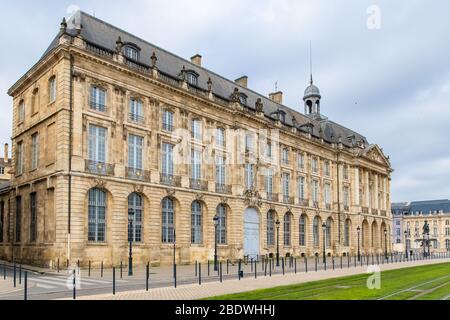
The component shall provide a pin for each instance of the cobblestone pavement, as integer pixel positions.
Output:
(196, 291)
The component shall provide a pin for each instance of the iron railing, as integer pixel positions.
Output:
(288, 200)
(303, 202)
(198, 184)
(100, 168)
(137, 174)
(97, 106)
(136, 118)
(223, 188)
(99, 50)
(170, 180)
(365, 210)
(346, 208)
(272, 197)
(375, 211)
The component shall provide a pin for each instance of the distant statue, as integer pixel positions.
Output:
(426, 228)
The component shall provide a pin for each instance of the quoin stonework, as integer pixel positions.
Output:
(115, 139)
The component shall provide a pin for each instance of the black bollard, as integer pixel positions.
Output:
(251, 265)
(78, 263)
(333, 262)
(316, 263)
(270, 269)
(255, 270)
(282, 264)
(325, 264)
(114, 281)
(306, 264)
(4, 271)
(20, 273)
(209, 267)
(67, 263)
(15, 272)
(147, 276)
(265, 267)
(341, 261)
(101, 271)
(239, 270)
(200, 274)
(220, 271)
(89, 268)
(196, 269)
(25, 288)
(58, 265)
(228, 266)
(295, 265)
(175, 276)
(121, 270)
(74, 286)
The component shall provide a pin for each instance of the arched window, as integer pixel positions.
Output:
(135, 218)
(97, 215)
(192, 78)
(132, 52)
(243, 99)
(196, 223)
(222, 224)
(347, 227)
(270, 228)
(168, 219)
(302, 231)
(329, 231)
(287, 229)
(316, 224)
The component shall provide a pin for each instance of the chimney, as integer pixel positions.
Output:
(6, 153)
(197, 60)
(242, 81)
(277, 97)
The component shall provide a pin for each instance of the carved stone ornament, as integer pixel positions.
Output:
(138, 188)
(199, 197)
(154, 59)
(170, 192)
(235, 96)
(259, 105)
(100, 184)
(252, 198)
(119, 45)
(209, 84)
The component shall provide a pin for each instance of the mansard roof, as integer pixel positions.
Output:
(103, 34)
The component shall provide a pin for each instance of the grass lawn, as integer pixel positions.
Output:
(430, 282)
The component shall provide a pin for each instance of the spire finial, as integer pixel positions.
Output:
(63, 25)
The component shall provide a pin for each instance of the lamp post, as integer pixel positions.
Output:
(359, 251)
(278, 242)
(428, 244)
(216, 224)
(385, 244)
(406, 244)
(130, 238)
(174, 250)
(324, 229)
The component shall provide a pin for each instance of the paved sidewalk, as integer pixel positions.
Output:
(193, 292)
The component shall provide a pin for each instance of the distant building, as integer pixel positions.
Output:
(408, 221)
(5, 167)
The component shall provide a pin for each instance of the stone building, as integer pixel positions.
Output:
(115, 139)
(409, 220)
(5, 166)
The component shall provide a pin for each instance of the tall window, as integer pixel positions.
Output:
(315, 191)
(302, 231)
(220, 170)
(347, 233)
(34, 151)
(270, 228)
(327, 194)
(196, 222)
(314, 165)
(316, 226)
(345, 172)
(35, 101)
(168, 219)
(167, 159)
(285, 156)
(2, 170)
(167, 121)
(196, 164)
(135, 213)
(249, 176)
(136, 110)
(269, 150)
(301, 188)
(52, 89)
(222, 225)
(97, 144)
(346, 196)
(19, 159)
(2, 219)
(33, 217)
(196, 132)
(327, 168)
(21, 111)
(268, 183)
(285, 182)
(249, 142)
(329, 224)
(220, 137)
(300, 161)
(135, 145)
(131, 53)
(97, 215)
(18, 218)
(287, 229)
(98, 99)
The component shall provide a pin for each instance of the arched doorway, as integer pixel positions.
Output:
(251, 233)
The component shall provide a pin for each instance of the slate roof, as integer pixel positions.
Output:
(423, 207)
(101, 33)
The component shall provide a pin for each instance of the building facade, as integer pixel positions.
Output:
(117, 140)
(5, 166)
(408, 225)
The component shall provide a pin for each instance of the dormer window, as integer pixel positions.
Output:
(192, 78)
(131, 52)
(282, 116)
(243, 99)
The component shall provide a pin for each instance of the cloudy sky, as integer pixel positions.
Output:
(387, 78)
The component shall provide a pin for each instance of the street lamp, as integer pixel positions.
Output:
(278, 242)
(130, 238)
(216, 224)
(385, 244)
(359, 252)
(324, 229)
(406, 244)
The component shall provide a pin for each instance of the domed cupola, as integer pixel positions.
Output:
(312, 99)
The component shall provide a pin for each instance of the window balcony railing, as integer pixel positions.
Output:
(383, 213)
(99, 50)
(365, 210)
(137, 174)
(167, 127)
(272, 197)
(346, 208)
(170, 180)
(288, 200)
(328, 206)
(100, 168)
(97, 106)
(135, 118)
(223, 188)
(375, 211)
(198, 184)
(316, 204)
(303, 202)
